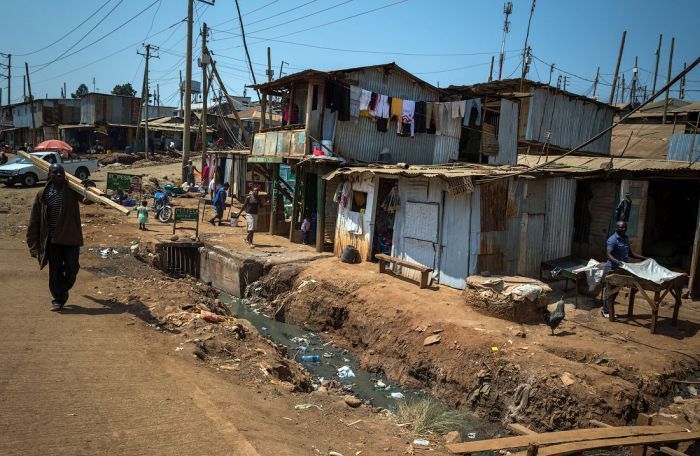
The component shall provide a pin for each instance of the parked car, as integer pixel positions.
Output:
(23, 171)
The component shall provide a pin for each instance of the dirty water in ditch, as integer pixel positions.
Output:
(324, 361)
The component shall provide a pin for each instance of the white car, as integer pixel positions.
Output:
(24, 172)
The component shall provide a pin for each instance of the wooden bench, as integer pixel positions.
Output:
(424, 272)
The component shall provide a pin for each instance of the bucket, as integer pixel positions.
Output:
(350, 255)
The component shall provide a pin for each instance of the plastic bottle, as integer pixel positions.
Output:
(310, 358)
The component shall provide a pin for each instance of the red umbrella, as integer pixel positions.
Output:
(53, 144)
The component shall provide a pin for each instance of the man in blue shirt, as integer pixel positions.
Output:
(220, 203)
(618, 252)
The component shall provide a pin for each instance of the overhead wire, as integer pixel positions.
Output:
(73, 29)
(251, 12)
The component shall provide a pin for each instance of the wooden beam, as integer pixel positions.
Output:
(94, 194)
(663, 450)
(549, 438)
(577, 447)
(520, 429)
(230, 101)
(597, 423)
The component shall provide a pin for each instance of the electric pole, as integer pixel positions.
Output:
(270, 73)
(205, 92)
(633, 88)
(31, 100)
(617, 68)
(526, 48)
(564, 83)
(491, 69)
(668, 80)
(181, 90)
(681, 89)
(9, 79)
(281, 65)
(146, 95)
(551, 70)
(24, 87)
(595, 83)
(656, 67)
(507, 10)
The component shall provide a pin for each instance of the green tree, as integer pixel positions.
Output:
(124, 90)
(82, 91)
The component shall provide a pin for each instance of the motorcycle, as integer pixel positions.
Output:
(162, 207)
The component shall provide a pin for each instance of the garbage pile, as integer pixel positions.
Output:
(512, 298)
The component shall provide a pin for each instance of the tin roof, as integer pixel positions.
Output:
(646, 141)
(311, 74)
(440, 171)
(572, 164)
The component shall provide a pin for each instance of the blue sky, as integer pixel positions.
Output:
(442, 41)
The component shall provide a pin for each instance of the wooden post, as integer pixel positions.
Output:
(269, 79)
(188, 92)
(696, 251)
(205, 95)
(491, 69)
(617, 68)
(595, 83)
(656, 67)
(263, 108)
(295, 201)
(230, 100)
(320, 213)
(642, 420)
(668, 80)
(630, 308)
(655, 311)
(274, 196)
(290, 108)
(145, 95)
(307, 121)
(32, 108)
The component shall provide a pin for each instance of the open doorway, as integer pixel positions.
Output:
(669, 231)
(387, 204)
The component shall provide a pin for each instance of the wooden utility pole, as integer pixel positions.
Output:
(681, 88)
(551, 71)
(617, 67)
(564, 82)
(622, 89)
(31, 100)
(188, 93)
(595, 83)
(9, 79)
(24, 87)
(205, 92)
(269, 79)
(65, 91)
(493, 58)
(181, 92)
(146, 94)
(656, 67)
(526, 48)
(668, 79)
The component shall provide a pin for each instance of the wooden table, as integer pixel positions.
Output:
(617, 282)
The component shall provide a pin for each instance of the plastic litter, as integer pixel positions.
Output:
(421, 442)
(306, 406)
(310, 358)
(345, 372)
(471, 435)
(397, 395)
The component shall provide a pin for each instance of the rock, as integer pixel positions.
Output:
(174, 237)
(432, 340)
(352, 401)
(567, 379)
(452, 437)
(678, 399)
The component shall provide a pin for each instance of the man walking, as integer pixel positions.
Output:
(191, 169)
(251, 206)
(618, 252)
(54, 235)
(220, 203)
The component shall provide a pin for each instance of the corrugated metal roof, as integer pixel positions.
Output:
(582, 165)
(443, 172)
(647, 141)
(692, 107)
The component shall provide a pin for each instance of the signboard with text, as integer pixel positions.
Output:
(187, 214)
(125, 182)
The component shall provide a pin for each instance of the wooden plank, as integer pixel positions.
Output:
(663, 450)
(575, 447)
(600, 424)
(549, 438)
(520, 429)
(408, 264)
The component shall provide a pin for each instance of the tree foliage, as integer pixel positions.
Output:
(124, 90)
(82, 91)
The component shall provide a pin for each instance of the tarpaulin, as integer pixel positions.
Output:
(650, 270)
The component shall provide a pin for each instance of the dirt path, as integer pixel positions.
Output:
(89, 383)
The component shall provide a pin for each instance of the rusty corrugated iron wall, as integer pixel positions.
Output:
(559, 218)
(571, 121)
(680, 146)
(507, 135)
(362, 142)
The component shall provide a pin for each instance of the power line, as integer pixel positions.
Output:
(73, 29)
(459, 68)
(569, 73)
(294, 8)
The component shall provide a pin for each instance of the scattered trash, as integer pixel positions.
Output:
(71, 414)
(380, 384)
(601, 360)
(471, 435)
(352, 401)
(334, 453)
(306, 406)
(453, 437)
(211, 317)
(177, 349)
(692, 390)
(305, 283)
(397, 395)
(345, 372)
(494, 348)
(421, 442)
(310, 358)
(431, 340)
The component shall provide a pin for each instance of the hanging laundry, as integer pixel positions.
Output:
(472, 112)
(396, 109)
(438, 109)
(364, 100)
(381, 109)
(407, 118)
(294, 115)
(355, 94)
(372, 103)
(419, 118)
(338, 99)
(430, 117)
(458, 108)
(382, 124)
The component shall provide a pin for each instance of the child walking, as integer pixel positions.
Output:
(142, 212)
(306, 230)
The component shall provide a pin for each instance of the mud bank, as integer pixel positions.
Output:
(517, 375)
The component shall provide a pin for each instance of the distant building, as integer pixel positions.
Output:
(49, 114)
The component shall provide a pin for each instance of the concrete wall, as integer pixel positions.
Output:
(227, 270)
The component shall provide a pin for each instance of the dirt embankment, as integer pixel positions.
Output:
(521, 375)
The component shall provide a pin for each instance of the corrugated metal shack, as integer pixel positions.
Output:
(48, 115)
(311, 122)
(665, 195)
(515, 116)
(458, 220)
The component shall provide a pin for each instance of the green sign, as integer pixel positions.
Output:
(264, 159)
(183, 214)
(126, 182)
